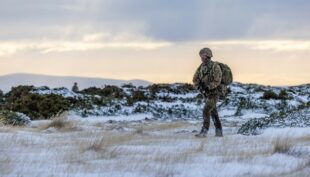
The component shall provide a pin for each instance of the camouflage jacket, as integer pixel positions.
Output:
(208, 77)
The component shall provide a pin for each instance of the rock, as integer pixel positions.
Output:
(111, 121)
(182, 131)
(195, 131)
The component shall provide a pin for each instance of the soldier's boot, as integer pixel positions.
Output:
(218, 132)
(217, 123)
(203, 133)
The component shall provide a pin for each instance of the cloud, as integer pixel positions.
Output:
(87, 42)
(161, 20)
(98, 41)
(272, 45)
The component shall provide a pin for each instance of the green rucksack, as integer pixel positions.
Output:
(227, 76)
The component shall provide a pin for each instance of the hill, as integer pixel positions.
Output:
(7, 81)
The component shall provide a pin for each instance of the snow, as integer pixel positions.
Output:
(63, 92)
(188, 95)
(237, 89)
(251, 114)
(126, 147)
(287, 132)
(125, 143)
(227, 112)
(94, 119)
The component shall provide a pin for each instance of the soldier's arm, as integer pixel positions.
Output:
(217, 77)
(196, 77)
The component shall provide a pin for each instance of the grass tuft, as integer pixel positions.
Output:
(61, 123)
(281, 145)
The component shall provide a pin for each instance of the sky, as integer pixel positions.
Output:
(265, 42)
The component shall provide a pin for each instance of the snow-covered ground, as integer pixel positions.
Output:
(95, 146)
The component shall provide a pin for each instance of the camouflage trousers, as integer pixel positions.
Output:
(209, 110)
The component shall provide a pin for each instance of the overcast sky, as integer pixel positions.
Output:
(264, 41)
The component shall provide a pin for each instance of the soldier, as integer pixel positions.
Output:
(207, 79)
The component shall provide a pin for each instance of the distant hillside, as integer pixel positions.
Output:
(7, 81)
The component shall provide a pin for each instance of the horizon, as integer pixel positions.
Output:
(116, 79)
(265, 42)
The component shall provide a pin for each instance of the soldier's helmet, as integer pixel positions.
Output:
(207, 51)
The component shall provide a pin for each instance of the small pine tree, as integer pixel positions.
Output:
(75, 87)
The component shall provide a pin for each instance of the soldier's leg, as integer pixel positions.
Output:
(206, 115)
(217, 123)
(216, 119)
(209, 106)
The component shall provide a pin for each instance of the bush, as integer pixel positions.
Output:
(36, 106)
(184, 88)
(107, 91)
(283, 95)
(13, 118)
(130, 85)
(269, 95)
(138, 95)
(167, 98)
(156, 88)
(61, 122)
(2, 99)
(140, 108)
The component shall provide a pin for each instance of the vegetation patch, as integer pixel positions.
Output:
(61, 123)
(269, 94)
(34, 105)
(107, 91)
(13, 118)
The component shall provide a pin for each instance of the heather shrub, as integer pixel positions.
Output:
(107, 91)
(283, 95)
(13, 118)
(156, 88)
(136, 96)
(34, 105)
(269, 95)
(184, 88)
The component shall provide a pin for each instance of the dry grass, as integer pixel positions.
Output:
(96, 145)
(5, 162)
(302, 170)
(99, 124)
(105, 147)
(2, 120)
(281, 145)
(164, 126)
(304, 139)
(148, 153)
(139, 130)
(8, 128)
(169, 158)
(60, 123)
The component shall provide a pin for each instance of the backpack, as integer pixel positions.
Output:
(227, 76)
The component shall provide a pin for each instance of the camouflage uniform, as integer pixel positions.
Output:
(208, 79)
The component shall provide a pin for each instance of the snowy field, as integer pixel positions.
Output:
(71, 146)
